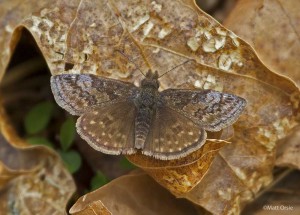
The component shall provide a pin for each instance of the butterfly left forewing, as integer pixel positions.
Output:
(173, 135)
(211, 110)
(109, 129)
(78, 93)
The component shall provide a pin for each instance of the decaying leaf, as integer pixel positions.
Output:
(288, 150)
(33, 180)
(181, 175)
(272, 28)
(115, 38)
(282, 198)
(132, 194)
(280, 38)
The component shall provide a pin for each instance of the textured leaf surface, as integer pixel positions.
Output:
(281, 38)
(133, 194)
(83, 36)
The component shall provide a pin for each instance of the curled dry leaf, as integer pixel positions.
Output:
(272, 28)
(33, 180)
(82, 37)
(281, 38)
(181, 175)
(132, 194)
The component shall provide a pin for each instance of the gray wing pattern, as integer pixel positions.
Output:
(78, 93)
(209, 109)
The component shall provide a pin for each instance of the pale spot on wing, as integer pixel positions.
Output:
(156, 140)
(103, 134)
(84, 127)
(191, 133)
(176, 142)
(170, 150)
(96, 112)
(92, 122)
(92, 134)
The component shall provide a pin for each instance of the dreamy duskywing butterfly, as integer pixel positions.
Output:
(117, 117)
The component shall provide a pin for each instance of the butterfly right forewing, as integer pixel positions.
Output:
(211, 110)
(78, 93)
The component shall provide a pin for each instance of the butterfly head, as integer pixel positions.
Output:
(151, 80)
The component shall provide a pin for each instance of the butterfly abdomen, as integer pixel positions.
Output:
(142, 126)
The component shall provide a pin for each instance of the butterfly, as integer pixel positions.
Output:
(116, 117)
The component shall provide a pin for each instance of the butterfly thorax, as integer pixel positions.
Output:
(146, 103)
(148, 96)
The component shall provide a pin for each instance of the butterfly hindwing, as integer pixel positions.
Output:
(78, 93)
(109, 129)
(173, 135)
(209, 109)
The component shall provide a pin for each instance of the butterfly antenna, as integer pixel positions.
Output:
(177, 66)
(131, 61)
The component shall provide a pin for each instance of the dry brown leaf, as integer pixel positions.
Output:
(82, 37)
(273, 27)
(288, 152)
(283, 198)
(132, 194)
(181, 175)
(33, 180)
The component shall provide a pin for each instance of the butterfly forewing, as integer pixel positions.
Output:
(78, 93)
(173, 135)
(209, 109)
(109, 129)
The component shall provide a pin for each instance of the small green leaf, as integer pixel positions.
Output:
(38, 117)
(72, 160)
(67, 134)
(126, 164)
(98, 180)
(40, 141)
